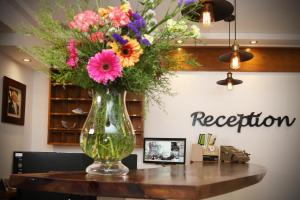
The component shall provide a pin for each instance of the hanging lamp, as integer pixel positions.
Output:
(236, 56)
(229, 81)
(207, 11)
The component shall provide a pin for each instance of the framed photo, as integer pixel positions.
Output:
(13, 101)
(164, 150)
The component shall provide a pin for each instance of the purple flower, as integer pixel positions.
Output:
(119, 39)
(137, 16)
(186, 2)
(140, 23)
(137, 24)
(134, 29)
(146, 42)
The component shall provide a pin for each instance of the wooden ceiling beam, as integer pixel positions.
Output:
(266, 59)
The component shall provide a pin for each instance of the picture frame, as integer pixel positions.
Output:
(164, 150)
(13, 101)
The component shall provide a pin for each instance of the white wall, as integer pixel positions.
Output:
(33, 135)
(40, 97)
(275, 148)
(14, 137)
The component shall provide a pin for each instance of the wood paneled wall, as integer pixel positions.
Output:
(266, 59)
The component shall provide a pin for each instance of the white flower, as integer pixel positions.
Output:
(149, 3)
(195, 32)
(149, 38)
(152, 22)
(113, 30)
(177, 27)
(171, 23)
(182, 26)
(150, 13)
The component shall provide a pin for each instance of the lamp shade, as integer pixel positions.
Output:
(244, 56)
(229, 79)
(220, 8)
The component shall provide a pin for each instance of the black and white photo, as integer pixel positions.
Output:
(164, 150)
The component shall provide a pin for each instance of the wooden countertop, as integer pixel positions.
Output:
(195, 181)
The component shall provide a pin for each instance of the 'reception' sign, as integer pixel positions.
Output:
(240, 120)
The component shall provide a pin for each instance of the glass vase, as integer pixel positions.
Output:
(107, 135)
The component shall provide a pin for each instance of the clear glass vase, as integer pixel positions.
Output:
(107, 135)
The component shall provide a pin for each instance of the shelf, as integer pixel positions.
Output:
(138, 132)
(68, 114)
(134, 100)
(135, 115)
(60, 84)
(66, 97)
(63, 144)
(70, 99)
(64, 129)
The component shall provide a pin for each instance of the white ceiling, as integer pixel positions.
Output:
(271, 22)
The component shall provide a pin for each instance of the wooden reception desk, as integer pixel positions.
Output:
(195, 181)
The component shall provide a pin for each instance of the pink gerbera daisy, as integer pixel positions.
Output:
(104, 67)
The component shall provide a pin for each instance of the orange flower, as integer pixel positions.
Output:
(129, 53)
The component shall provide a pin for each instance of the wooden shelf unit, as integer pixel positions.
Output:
(64, 98)
(135, 108)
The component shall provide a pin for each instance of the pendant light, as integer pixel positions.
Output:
(207, 11)
(229, 81)
(236, 56)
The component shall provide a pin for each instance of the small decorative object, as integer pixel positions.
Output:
(64, 124)
(203, 153)
(206, 139)
(233, 155)
(210, 153)
(78, 111)
(110, 51)
(201, 139)
(13, 101)
(205, 150)
(197, 153)
(212, 140)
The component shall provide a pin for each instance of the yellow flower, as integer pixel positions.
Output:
(125, 7)
(129, 53)
(103, 12)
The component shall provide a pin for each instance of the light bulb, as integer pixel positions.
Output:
(235, 62)
(229, 85)
(206, 18)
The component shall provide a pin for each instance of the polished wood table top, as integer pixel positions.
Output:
(195, 181)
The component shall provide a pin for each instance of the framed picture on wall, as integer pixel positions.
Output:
(13, 101)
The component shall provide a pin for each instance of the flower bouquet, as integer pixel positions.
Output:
(111, 50)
